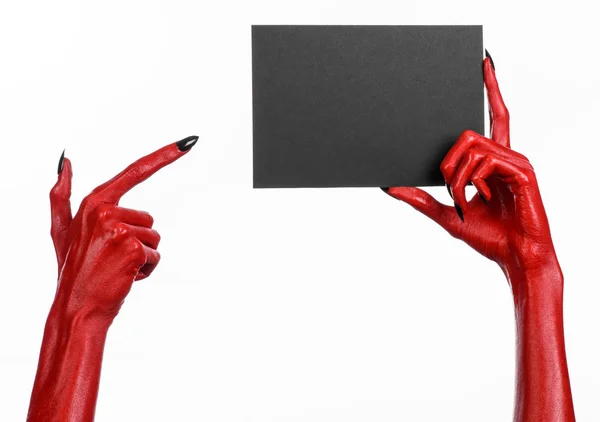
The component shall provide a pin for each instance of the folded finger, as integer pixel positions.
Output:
(152, 260)
(462, 177)
(514, 175)
(472, 140)
(133, 217)
(147, 236)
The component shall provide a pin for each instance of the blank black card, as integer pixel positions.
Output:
(352, 106)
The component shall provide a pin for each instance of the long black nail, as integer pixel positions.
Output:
(483, 199)
(459, 211)
(60, 162)
(187, 143)
(489, 56)
(449, 191)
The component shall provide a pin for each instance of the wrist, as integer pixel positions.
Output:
(75, 306)
(76, 321)
(535, 282)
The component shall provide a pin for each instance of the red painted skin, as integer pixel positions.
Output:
(100, 252)
(510, 227)
(106, 247)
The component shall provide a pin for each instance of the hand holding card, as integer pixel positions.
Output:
(506, 222)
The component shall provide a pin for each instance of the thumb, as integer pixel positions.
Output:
(60, 208)
(426, 204)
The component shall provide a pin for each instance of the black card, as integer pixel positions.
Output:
(359, 106)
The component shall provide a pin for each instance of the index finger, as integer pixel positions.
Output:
(142, 169)
(499, 116)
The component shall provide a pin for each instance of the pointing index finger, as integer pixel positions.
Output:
(142, 169)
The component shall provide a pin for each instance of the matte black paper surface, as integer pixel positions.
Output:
(339, 106)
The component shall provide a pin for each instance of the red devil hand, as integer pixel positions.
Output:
(105, 247)
(100, 252)
(507, 223)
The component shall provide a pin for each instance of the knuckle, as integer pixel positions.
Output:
(88, 203)
(104, 212)
(489, 160)
(55, 193)
(467, 136)
(527, 176)
(135, 248)
(445, 168)
(501, 114)
(134, 245)
(59, 193)
(119, 231)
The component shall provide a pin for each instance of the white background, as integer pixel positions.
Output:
(283, 305)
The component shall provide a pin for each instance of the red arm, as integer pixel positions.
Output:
(543, 392)
(507, 223)
(100, 252)
(68, 377)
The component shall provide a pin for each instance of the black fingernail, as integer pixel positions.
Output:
(489, 56)
(187, 143)
(459, 211)
(449, 191)
(385, 189)
(483, 199)
(60, 162)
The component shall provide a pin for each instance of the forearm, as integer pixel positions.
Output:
(68, 375)
(543, 391)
